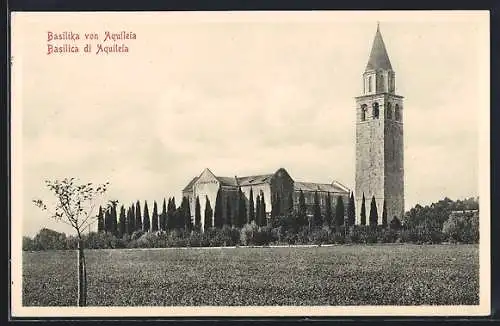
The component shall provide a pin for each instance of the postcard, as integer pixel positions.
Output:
(250, 163)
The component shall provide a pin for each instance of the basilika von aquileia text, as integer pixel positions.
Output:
(103, 43)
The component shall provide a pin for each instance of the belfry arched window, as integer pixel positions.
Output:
(375, 110)
(388, 111)
(397, 113)
(370, 84)
(363, 112)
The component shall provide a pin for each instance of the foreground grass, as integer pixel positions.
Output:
(338, 275)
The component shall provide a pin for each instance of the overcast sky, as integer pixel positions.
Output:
(241, 94)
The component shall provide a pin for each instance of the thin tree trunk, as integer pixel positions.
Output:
(82, 276)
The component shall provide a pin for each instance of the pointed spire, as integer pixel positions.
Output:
(378, 56)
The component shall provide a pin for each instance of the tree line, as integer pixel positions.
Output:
(134, 218)
(417, 227)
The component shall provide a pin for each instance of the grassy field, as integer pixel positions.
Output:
(338, 275)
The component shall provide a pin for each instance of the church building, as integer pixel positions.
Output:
(271, 187)
(379, 158)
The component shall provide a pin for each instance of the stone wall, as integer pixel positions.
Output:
(379, 157)
(394, 169)
(369, 154)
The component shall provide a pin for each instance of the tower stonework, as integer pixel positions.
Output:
(379, 138)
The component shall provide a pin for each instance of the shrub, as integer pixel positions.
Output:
(355, 235)
(28, 244)
(290, 237)
(148, 240)
(251, 234)
(264, 236)
(195, 239)
(278, 233)
(215, 237)
(72, 242)
(463, 228)
(387, 236)
(408, 235)
(320, 236)
(132, 244)
(230, 235)
(176, 238)
(247, 233)
(303, 236)
(339, 238)
(395, 224)
(48, 239)
(136, 235)
(99, 240)
(371, 234)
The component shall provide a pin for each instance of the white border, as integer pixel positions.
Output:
(17, 310)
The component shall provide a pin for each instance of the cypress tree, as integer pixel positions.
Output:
(208, 221)
(107, 221)
(163, 216)
(290, 204)
(251, 208)
(100, 220)
(114, 219)
(170, 223)
(146, 223)
(174, 223)
(219, 210)
(138, 217)
(122, 222)
(263, 218)
(179, 217)
(384, 215)
(258, 211)
(329, 213)
(242, 210)
(154, 218)
(363, 211)
(127, 221)
(373, 212)
(197, 214)
(188, 223)
(339, 213)
(317, 218)
(276, 205)
(302, 211)
(351, 211)
(229, 212)
(131, 220)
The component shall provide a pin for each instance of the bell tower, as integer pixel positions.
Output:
(379, 137)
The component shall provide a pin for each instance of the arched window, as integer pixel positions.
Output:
(388, 111)
(375, 110)
(363, 112)
(370, 84)
(397, 113)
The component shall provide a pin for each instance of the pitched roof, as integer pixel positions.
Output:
(255, 179)
(189, 186)
(379, 59)
(311, 186)
(227, 181)
(266, 178)
(236, 181)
